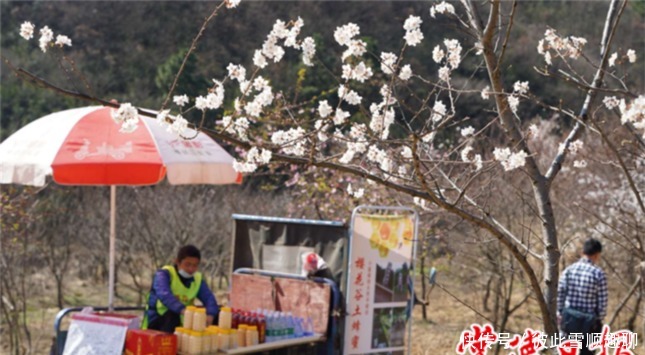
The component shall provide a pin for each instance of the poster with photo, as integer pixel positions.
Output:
(379, 283)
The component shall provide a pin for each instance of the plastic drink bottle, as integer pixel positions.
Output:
(225, 318)
(188, 317)
(270, 329)
(235, 320)
(262, 328)
(309, 327)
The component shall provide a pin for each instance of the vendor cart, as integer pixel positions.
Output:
(364, 304)
(265, 254)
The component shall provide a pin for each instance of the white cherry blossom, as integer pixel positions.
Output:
(406, 72)
(441, 8)
(46, 36)
(388, 61)
(631, 55)
(344, 34)
(62, 40)
(510, 161)
(521, 87)
(259, 60)
(412, 38)
(308, 51)
(180, 100)
(27, 30)
(485, 94)
(612, 59)
(580, 164)
(324, 109)
(468, 131)
(230, 4)
(340, 116)
(438, 54)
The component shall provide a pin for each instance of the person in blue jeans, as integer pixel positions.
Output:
(174, 287)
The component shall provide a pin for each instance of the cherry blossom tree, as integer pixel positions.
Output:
(389, 125)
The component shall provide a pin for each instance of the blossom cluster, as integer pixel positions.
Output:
(176, 124)
(634, 113)
(485, 94)
(355, 193)
(272, 49)
(358, 143)
(388, 62)
(389, 66)
(574, 148)
(360, 72)
(254, 158)
(127, 116)
(630, 55)
(213, 100)
(263, 98)
(382, 113)
(344, 35)
(46, 36)
(238, 127)
(510, 160)
(452, 57)
(441, 8)
(468, 156)
(230, 4)
(519, 88)
(290, 141)
(438, 111)
(570, 47)
(412, 27)
(379, 156)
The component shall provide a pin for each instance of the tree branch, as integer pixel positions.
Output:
(193, 46)
(508, 34)
(611, 25)
(623, 302)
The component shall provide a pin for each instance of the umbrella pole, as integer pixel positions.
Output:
(112, 247)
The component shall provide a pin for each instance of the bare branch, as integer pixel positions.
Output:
(193, 46)
(623, 302)
(507, 36)
(611, 24)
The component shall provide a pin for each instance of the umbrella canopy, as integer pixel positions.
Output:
(84, 146)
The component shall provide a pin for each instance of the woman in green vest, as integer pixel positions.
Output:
(175, 287)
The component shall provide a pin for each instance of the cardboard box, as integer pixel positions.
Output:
(150, 342)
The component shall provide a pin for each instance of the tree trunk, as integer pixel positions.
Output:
(59, 290)
(551, 253)
(643, 289)
(422, 261)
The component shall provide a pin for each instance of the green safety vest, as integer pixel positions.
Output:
(185, 295)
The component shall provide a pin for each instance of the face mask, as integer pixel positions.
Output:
(184, 274)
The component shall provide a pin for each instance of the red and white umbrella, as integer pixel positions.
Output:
(83, 146)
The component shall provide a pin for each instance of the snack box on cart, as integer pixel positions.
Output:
(149, 342)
